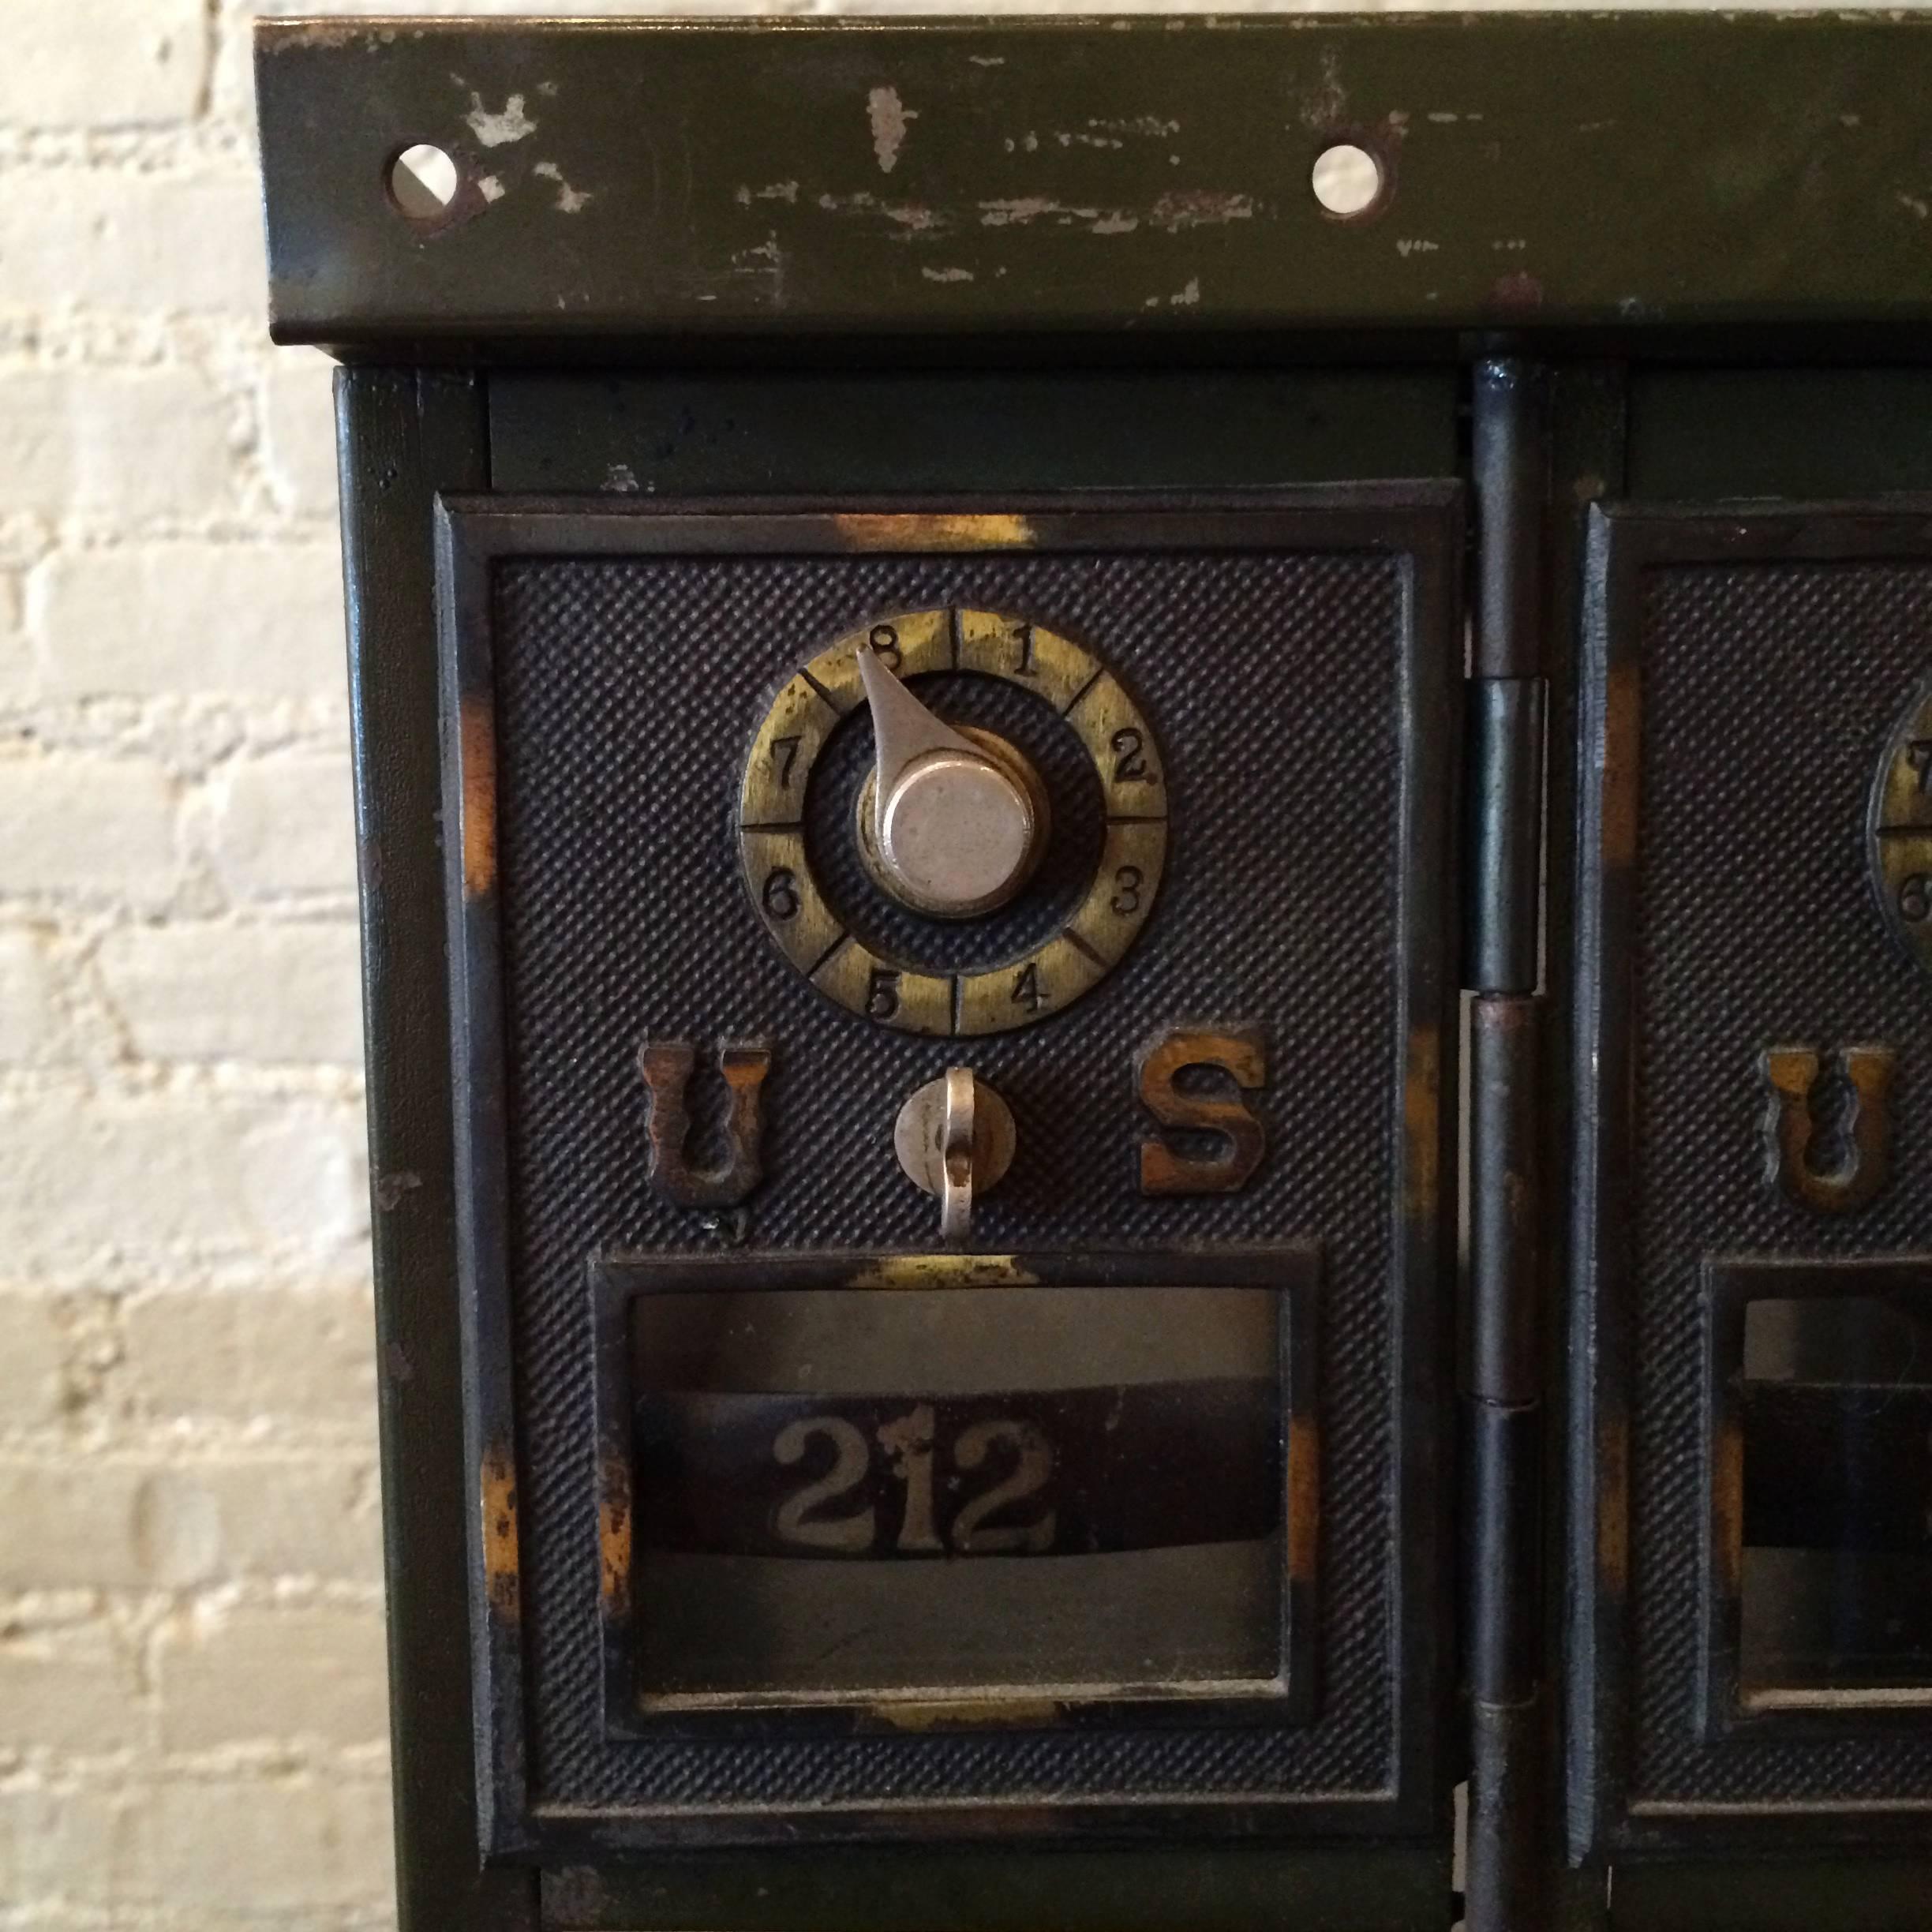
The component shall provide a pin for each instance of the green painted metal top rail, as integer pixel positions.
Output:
(626, 181)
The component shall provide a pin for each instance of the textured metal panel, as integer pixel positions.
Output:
(1753, 669)
(625, 689)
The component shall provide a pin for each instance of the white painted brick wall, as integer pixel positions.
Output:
(191, 1708)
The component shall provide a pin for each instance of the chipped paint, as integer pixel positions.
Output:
(501, 1578)
(1918, 206)
(1519, 290)
(891, 121)
(1613, 1505)
(1444, 116)
(621, 479)
(947, 274)
(494, 130)
(280, 36)
(772, 191)
(570, 200)
(1727, 1485)
(1618, 785)
(1323, 105)
(1189, 296)
(908, 217)
(1407, 246)
(945, 1271)
(987, 60)
(946, 1713)
(1304, 1498)
(1172, 213)
(490, 188)
(1151, 125)
(892, 531)
(393, 1188)
(1019, 210)
(478, 732)
(766, 260)
(1199, 207)
(614, 1518)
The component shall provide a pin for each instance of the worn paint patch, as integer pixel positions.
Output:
(1200, 207)
(478, 732)
(772, 191)
(1613, 1507)
(501, 1576)
(947, 1713)
(943, 1271)
(1304, 1498)
(1728, 1506)
(278, 37)
(767, 262)
(570, 200)
(393, 1186)
(614, 1534)
(509, 123)
(890, 119)
(1619, 753)
(908, 218)
(1324, 106)
(1519, 290)
(1151, 125)
(490, 188)
(891, 532)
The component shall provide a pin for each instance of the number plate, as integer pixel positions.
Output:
(847, 1495)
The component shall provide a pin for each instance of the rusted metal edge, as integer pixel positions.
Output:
(623, 181)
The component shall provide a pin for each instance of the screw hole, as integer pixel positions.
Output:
(423, 181)
(1346, 180)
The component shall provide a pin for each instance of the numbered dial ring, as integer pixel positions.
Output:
(927, 996)
(1901, 830)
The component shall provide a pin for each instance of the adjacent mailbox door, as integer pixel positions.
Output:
(1751, 1660)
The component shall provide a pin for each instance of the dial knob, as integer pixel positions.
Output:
(952, 822)
(955, 1139)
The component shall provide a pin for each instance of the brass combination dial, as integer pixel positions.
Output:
(1900, 831)
(952, 822)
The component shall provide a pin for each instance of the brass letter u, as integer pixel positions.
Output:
(667, 1066)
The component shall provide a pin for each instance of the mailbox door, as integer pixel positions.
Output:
(1748, 1266)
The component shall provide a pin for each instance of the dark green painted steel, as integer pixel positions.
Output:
(1843, 1895)
(407, 435)
(957, 1889)
(628, 180)
(1807, 434)
(1747, 187)
(927, 433)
